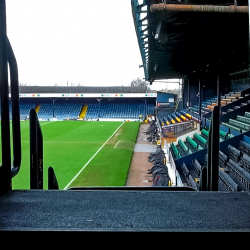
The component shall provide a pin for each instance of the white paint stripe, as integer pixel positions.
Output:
(92, 157)
(45, 123)
(116, 144)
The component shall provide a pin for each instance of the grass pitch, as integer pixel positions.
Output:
(69, 147)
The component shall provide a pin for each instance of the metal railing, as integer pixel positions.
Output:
(175, 130)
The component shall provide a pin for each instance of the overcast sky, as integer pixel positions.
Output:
(88, 42)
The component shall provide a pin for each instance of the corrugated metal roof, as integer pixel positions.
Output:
(189, 41)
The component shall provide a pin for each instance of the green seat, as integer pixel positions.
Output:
(175, 150)
(243, 119)
(231, 127)
(247, 114)
(192, 142)
(201, 139)
(183, 146)
(241, 125)
(205, 132)
(223, 134)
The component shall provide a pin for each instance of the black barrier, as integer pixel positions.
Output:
(16, 134)
(5, 169)
(36, 152)
(52, 181)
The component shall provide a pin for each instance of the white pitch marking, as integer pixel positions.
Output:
(116, 144)
(92, 157)
(45, 123)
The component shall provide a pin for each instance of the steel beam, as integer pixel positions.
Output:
(198, 8)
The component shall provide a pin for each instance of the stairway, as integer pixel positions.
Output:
(37, 108)
(83, 111)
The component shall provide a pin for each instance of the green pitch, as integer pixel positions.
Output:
(76, 151)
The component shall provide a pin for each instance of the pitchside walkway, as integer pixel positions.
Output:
(139, 166)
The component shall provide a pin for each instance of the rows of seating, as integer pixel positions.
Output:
(208, 105)
(234, 169)
(237, 162)
(188, 177)
(188, 147)
(241, 124)
(120, 111)
(67, 111)
(24, 109)
(71, 110)
(177, 117)
(45, 111)
(198, 142)
(192, 175)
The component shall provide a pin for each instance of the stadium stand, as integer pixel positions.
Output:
(241, 124)
(234, 163)
(46, 111)
(67, 110)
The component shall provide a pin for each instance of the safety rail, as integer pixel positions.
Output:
(177, 129)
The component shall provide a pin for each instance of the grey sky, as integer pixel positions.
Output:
(84, 42)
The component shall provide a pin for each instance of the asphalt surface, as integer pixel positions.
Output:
(125, 210)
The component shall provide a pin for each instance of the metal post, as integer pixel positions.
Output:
(182, 89)
(203, 180)
(218, 94)
(215, 147)
(249, 29)
(53, 107)
(189, 92)
(209, 156)
(33, 151)
(200, 97)
(5, 169)
(36, 152)
(16, 133)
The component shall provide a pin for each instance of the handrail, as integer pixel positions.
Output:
(5, 169)
(16, 134)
